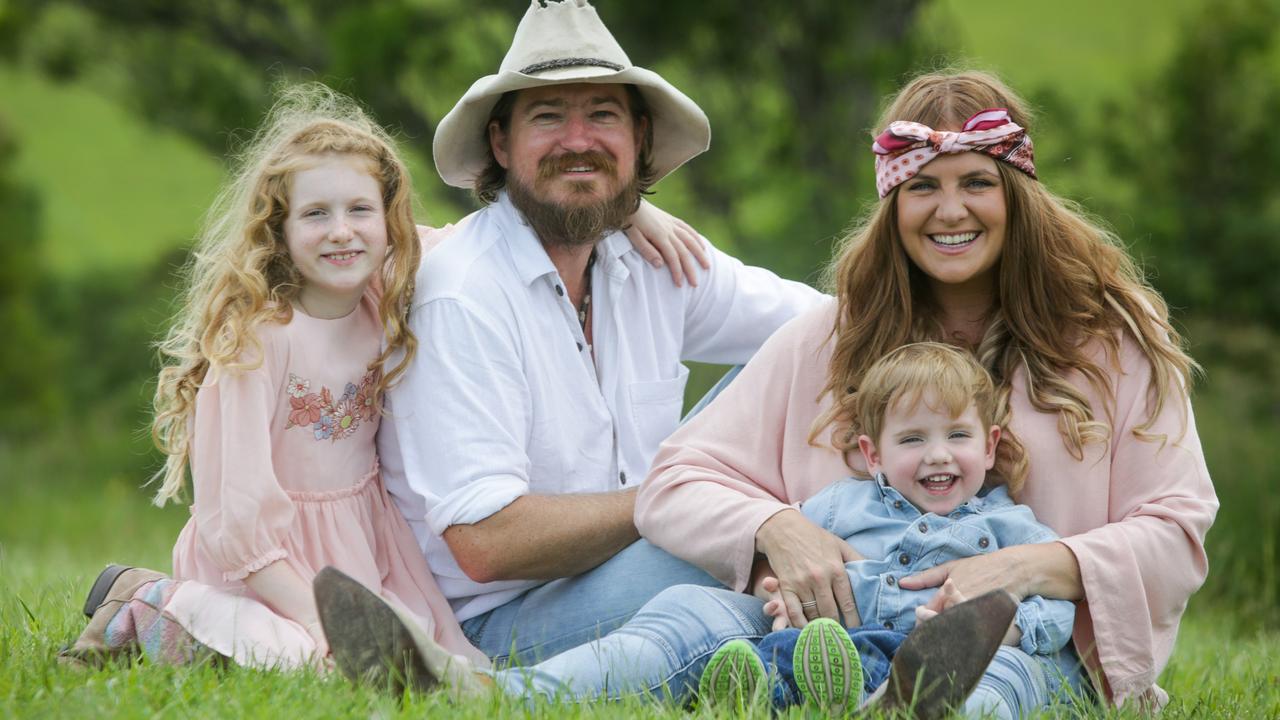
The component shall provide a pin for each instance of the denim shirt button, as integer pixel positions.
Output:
(905, 559)
(888, 580)
(983, 542)
(924, 527)
(897, 504)
(888, 625)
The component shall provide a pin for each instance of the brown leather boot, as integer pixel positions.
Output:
(942, 660)
(114, 587)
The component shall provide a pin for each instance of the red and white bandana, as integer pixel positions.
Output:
(904, 147)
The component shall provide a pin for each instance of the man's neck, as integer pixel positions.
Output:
(571, 262)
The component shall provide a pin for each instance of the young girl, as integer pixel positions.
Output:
(298, 295)
(933, 433)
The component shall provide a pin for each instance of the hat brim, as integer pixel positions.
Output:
(681, 130)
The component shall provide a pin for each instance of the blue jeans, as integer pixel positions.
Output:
(568, 612)
(659, 653)
(1014, 685)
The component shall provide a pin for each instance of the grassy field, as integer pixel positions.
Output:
(118, 193)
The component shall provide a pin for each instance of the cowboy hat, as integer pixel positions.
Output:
(562, 43)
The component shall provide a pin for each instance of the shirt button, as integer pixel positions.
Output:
(888, 580)
(983, 542)
(622, 476)
(897, 504)
(924, 527)
(888, 625)
(905, 559)
(579, 347)
(560, 291)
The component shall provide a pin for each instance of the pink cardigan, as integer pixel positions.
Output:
(1134, 512)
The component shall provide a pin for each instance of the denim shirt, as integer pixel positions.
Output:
(898, 541)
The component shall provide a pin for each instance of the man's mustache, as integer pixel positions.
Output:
(550, 167)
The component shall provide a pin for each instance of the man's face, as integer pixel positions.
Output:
(570, 145)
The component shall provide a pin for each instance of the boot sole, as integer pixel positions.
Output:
(942, 660)
(369, 641)
(102, 587)
(827, 667)
(732, 678)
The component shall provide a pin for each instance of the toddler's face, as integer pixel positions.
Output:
(934, 460)
(336, 232)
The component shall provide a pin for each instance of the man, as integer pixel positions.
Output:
(548, 363)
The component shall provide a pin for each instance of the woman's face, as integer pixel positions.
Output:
(952, 217)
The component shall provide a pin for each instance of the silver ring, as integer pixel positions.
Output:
(809, 605)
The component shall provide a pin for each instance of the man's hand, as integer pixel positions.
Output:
(809, 564)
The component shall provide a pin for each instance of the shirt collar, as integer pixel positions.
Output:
(531, 259)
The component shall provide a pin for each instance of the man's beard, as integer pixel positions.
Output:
(572, 225)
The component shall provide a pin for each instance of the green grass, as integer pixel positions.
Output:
(59, 524)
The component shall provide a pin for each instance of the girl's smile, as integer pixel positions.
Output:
(336, 232)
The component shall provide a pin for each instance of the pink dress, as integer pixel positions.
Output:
(284, 468)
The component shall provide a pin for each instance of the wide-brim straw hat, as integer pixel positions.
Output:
(562, 43)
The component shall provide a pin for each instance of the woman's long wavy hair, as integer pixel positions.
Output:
(951, 380)
(1064, 283)
(240, 274)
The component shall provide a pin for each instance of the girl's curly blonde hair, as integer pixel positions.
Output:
(240, 274)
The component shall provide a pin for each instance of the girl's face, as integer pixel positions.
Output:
(952, 218)
(933, 460)
(336, 232)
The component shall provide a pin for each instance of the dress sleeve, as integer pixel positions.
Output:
(720, 475)
(242, 515)
(1140, 568)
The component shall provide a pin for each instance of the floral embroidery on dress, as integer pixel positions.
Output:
(329, 419)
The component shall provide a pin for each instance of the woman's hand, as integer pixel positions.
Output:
(663, 239)
(1048, 569)
(809, 565)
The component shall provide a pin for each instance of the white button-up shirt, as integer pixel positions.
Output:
(503, 397)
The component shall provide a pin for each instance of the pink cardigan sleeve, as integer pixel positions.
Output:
(1141, 567)
(241, 514)
(744, 458)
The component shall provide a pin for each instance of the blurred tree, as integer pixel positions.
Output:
(1199, 145)
(29, 354)
(790, 87)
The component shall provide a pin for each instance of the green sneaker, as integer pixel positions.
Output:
(827, 667)
(733, 678)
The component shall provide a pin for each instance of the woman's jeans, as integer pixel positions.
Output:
(662, 651)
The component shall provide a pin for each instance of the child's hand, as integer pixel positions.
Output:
(947, 596)
(663, 239)
(776, 606)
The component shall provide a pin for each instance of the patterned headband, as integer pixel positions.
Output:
(906, 146)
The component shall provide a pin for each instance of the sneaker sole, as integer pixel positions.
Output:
(733, 677)
(827, 667)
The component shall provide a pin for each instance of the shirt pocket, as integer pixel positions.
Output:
(655, 408)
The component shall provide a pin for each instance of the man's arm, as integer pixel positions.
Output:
(544, 537)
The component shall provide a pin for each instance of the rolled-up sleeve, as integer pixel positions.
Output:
(462, 415)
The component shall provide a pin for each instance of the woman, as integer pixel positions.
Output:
(967, 247)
